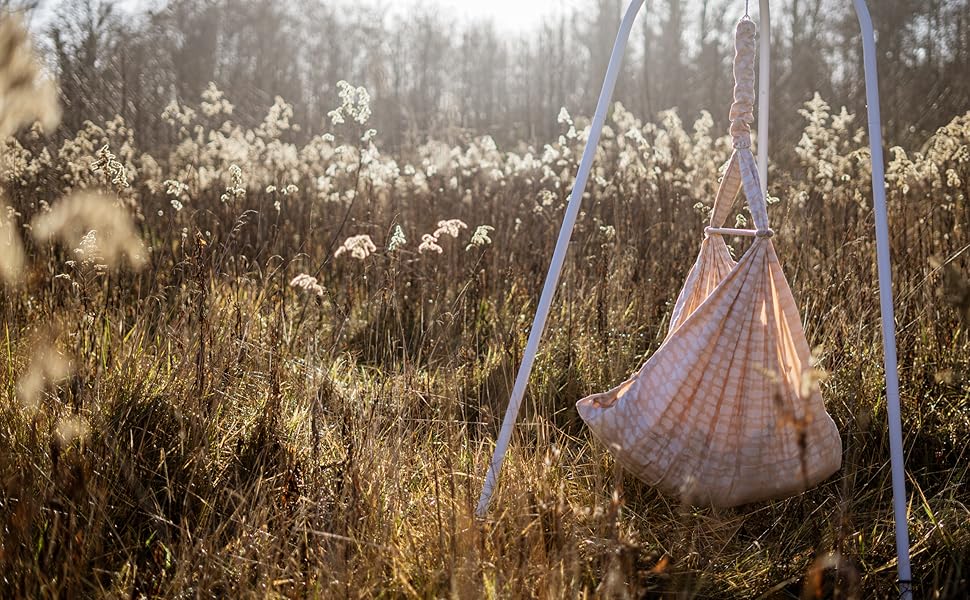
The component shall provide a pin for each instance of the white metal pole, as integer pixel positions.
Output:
(886, 301)
(555, 268)
(764, 79)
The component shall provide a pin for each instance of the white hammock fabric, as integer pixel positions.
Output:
(728, 409)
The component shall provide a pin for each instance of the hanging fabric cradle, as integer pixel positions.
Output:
(727, 410)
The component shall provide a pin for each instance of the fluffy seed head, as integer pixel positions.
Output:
(450, 227)
(429, 243)
(308, 284)
(95, 225)
(397, 239)
(47, 367)
(480, 238)
(359, 246)
(25, 94)
(11, 251)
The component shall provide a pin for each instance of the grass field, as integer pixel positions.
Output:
(236, 366)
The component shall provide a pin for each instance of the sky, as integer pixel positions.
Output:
(511, 15)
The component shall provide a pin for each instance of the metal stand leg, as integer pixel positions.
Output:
(886, 300)
(555, 268)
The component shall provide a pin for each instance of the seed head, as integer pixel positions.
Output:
(397, 239)
(308, 284)
(11, 250)
(94, 225)
(429, 243)
(359, 246)
(450, 227)
(480, 237)
(25, 95)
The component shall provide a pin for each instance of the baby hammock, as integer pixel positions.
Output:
(727, 410)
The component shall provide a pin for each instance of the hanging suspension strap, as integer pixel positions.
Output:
(742, 111)
(741, 172)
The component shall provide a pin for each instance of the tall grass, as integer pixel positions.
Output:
(284, 402)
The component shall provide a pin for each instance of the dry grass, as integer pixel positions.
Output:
(221, 433)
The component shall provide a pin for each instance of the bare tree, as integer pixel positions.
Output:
(432, 75)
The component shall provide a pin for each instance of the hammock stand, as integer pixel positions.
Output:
(882, 258)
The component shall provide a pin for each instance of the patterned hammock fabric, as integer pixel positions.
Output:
(727, 411)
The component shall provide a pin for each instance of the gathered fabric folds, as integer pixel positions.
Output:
(728, 410)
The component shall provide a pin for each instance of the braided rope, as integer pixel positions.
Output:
(741, 172)
(742, 111)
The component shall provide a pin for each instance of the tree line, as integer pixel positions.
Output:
(436, 75)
